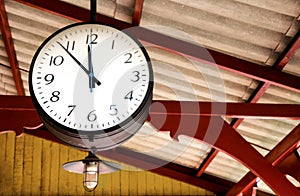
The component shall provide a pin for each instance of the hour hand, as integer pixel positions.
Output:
(80, 65)
(91, 72)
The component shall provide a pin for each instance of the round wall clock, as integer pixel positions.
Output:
(91, 85)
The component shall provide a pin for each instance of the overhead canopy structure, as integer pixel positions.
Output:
(226, 85)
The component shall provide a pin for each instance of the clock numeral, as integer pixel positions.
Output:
(92, 116)
(49, 78)
(55, 96)
(113, 110)
(129, 58)
(72, 109)
(71, 45)
(91, 38)
(58, 60)
(129, 96)
(136, 76)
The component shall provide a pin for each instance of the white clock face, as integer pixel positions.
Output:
(90, 77)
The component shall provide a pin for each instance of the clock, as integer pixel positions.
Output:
(91, 85)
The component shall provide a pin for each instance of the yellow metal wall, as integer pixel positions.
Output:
(32, 166)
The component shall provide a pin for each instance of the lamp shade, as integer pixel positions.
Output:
(104, 167)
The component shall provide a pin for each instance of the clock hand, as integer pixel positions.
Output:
(91, 73)
(95, 80)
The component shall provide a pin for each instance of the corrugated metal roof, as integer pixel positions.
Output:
(7, 84)
(187, 151)
(293, 66)
(265, 133)
(227, 168)
(247, 31)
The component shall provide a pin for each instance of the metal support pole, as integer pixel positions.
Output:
(93, 10)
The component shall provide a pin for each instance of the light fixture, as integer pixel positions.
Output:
(91, 167)
(90, 172)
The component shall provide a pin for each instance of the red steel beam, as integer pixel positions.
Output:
(189, 50)
(275, 156)
(137, 12)
(239, 110)
(10, 49)
(205, 163)
(17, 112)
(288, 53)
(290, 165)
(178, 108)
(11, 104)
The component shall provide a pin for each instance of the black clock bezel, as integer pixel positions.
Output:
(57, 124)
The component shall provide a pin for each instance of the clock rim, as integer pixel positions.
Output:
(148, 95)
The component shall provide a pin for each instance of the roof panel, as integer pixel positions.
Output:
(286, 7)
(31, 26)
(239, 29)
(227, 168)
(293, 65)
(41, 19)
(276, 94)
(212, 40)
(124, 10)
(265, 133)
(24, 76)
(180, 78)
(233, 11)
(187, 151)
(7, 85)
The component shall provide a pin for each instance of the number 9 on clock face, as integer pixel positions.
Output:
(92, 85)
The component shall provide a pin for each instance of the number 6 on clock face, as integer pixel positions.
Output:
(92, 85)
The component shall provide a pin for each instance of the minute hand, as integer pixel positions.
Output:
(80, 65)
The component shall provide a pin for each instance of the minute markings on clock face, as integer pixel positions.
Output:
(93, 93)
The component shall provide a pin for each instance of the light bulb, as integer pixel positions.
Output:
(90, 173)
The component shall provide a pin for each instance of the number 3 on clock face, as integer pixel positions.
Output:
(90, 77)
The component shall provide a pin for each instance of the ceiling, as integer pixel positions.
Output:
(249, 54)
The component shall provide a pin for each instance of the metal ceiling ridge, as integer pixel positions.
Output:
(189, 50)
